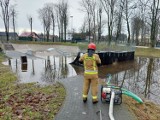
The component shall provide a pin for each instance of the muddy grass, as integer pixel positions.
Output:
(147, 52)
(27, 101)
(145, 111)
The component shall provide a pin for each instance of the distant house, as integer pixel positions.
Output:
(55, 38)
(79, 37)
(44, 38)
(12, 36)
(28, 36)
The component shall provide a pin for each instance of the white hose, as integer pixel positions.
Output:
(111, 106)
(100, 115)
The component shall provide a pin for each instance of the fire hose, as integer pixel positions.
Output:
(111, 106)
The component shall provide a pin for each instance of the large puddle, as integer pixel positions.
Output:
(42, 71)
(141, 76)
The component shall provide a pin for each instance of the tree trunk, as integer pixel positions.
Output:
(94, 19)
(47, 36)
(53, 30)
(65, 31)
(129, 34)
(99, 26)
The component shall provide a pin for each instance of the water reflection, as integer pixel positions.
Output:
(140, 76)
(33, 71)
(24, 63)
(24, 67)
(43, 71)
(144, 79)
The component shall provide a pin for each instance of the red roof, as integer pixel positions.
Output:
(28, 34)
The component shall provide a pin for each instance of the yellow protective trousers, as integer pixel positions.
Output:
(90, 80)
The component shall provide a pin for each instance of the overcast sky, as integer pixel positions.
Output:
(30, 7)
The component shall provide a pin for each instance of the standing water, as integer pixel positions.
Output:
(42, 71)
(141, 76)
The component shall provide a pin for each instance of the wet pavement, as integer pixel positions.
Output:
(74, 108)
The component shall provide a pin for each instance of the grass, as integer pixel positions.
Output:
(145, 111)
(147, 52)
(27, 101)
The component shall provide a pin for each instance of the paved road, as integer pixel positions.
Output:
(74, 108)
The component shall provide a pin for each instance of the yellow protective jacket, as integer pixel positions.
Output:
(90, 63)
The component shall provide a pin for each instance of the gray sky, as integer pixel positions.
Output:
(30, 7)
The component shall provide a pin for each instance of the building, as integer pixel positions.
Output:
(12, 36)
(28, 36)
(43, 38)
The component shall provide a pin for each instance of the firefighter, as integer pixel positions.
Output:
(90, 61)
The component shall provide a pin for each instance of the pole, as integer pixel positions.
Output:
(71, 26)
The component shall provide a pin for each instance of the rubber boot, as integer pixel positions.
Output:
(94, 101)
(84, 100)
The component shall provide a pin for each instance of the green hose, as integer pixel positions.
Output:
(129, 93)
(132, 95)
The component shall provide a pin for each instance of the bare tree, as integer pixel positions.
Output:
(119, 18)
(143, 10)
(137, 24)
(62, 19)
(109, 7)
(88, 8)
(42, 18)
(99, 22)
(151, 7)
(65, 17)
(130, 6)
(83, 27)
(13, 16)
(45, 16)
(53, 19)
(5, 4)
(154, 21)
(53, 23)
(93, 10)
(58, 21)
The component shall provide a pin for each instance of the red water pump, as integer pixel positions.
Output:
(106, 95)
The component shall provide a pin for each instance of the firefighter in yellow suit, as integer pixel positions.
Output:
(90, 61)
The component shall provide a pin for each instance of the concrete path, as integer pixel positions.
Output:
(74, 108)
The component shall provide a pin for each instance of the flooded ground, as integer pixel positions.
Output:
(140, 76)
(42, 71)
(48, 64)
